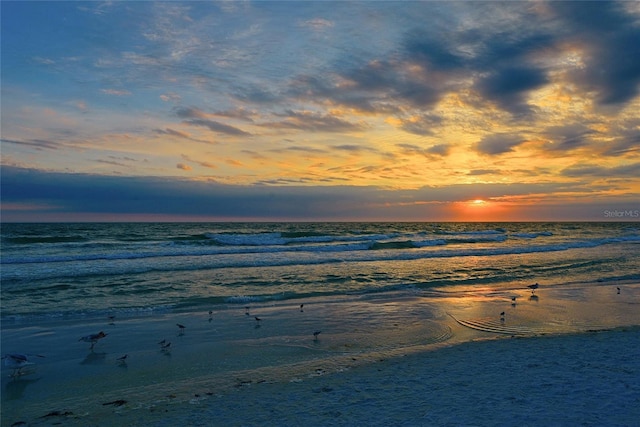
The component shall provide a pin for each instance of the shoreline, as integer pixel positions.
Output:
(217, 358)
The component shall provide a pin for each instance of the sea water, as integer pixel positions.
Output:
(92, 270)
(371, 290)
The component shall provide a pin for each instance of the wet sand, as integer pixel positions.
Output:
(564, 355)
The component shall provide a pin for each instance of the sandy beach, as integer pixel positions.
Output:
(563, 356)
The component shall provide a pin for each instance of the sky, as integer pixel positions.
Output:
(320, 111)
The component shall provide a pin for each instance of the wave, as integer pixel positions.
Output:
(406, 244)
(117, 264)
(531, 235)
(28, 240)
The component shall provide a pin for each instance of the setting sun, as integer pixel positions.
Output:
(480, 210)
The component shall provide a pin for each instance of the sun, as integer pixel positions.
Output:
(479, 210)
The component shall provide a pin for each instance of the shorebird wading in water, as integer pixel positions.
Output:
(533, 287)
(18, 361)
(93, 338)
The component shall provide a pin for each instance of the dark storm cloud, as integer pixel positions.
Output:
(509, 86)
(114, 195)
(434, 53)
(611, 40)
(59, 194)
(503, 65)
(498, 143)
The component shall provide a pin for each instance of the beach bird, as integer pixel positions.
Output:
(165, 346)
(246, 310)
(257, 319)
(513, 301)
(181, 328)
(17, 362)
(93, 338)
(123, 359)
(533, 287)
(618, 291)
(301, 308)
(315, 335)
(502, 316)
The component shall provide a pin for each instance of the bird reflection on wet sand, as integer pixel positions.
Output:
(14, 390)
(94, 359)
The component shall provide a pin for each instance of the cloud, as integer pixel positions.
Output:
(609, 38)
(198, 117)
(114, 197)
(116, 92)
(498, 143)
(317, 24)
(439, 149)
(183, 167)
(422, 125)
(434, 150)
(38, 144)
(509, 86)
(191, 113)
(171, 97)
(218, 127)
(198, 162)
(477, 172)
(353, 148)
(172, 132)
(312, 121)
(434, 52)
(592, 170)
(293, 148)
(568, 137)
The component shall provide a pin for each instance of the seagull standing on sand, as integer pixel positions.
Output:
(18, 361)
(533, 287)
(93, 338)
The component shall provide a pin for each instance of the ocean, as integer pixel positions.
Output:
(93, 270)
(287, 309)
